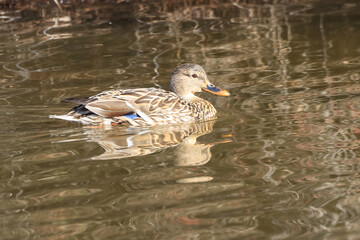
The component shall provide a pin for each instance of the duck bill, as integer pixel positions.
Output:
(215, 90)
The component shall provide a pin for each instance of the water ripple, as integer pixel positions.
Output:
(280, 162)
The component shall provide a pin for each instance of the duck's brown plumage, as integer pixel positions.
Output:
(150, 106)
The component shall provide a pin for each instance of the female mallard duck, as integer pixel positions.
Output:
(150, 106)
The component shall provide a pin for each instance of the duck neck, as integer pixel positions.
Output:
(191, 98)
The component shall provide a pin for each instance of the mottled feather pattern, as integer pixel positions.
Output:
(161, 106)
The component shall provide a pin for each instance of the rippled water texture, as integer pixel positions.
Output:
(280, 162)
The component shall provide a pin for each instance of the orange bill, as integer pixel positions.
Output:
(215, 90)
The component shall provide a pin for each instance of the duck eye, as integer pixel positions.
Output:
(211, 85)
(194, 75)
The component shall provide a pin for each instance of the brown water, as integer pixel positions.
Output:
(280, 162)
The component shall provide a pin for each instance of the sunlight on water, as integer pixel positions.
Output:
(280, 161)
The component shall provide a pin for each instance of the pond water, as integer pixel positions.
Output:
(281, 161)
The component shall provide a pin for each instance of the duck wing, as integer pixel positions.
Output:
(109, 108)
(143, 101)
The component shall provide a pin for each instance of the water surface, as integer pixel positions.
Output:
(281, 161)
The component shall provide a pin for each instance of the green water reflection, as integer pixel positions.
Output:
(281, 161)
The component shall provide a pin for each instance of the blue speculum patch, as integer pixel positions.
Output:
(213, 89)
(131, 116)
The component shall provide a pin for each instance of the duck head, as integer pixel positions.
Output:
(188, 79)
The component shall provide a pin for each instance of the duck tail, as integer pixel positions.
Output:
(66, 118)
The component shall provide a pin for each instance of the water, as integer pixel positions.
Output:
(281, 161)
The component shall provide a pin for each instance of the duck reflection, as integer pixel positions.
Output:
(188, 150)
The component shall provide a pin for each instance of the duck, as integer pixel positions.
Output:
(143, 107)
